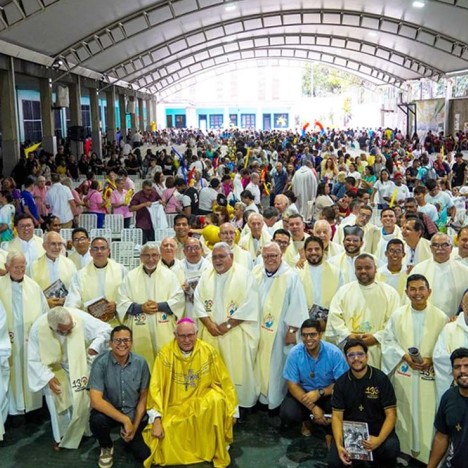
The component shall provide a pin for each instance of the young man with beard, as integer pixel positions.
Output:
(364, 394)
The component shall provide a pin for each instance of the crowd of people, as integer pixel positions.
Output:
(321, 276)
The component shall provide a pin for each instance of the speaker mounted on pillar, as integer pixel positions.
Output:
(131, 107)
(76, 133)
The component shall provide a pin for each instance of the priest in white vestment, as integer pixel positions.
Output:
(361, 309)
(304, 185)
(97, 282)
(257, 238)
(394, 272)
(323, 230)
(80, 254)
(449, 278)
(24, 302)
(284, 308)
(227, 233)
(27, 242)
(413, 330)
(51, 267)
(453, 336)
(417, 248)
(168, 260)
(226, 302)
(460, 253)
(320, 279)
(295, 251)
(62, 345)
(5, 352)
(352, 242)
(150, 302)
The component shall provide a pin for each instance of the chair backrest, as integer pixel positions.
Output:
(114, 222)
(106, 233)
(133, 263)
(66, 234)
(134, 235)
(160, 234)
(88, 221)
(170, 219)
(123, 252)
(38, 232)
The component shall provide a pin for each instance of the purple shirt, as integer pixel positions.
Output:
(143, 218)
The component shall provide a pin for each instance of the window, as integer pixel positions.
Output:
(281, 120)
(32, 122)
(216, 120)
(248, 120)
(233, 120)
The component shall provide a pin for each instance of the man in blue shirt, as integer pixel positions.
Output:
(280, 179)
(28, 204)
(311, 370)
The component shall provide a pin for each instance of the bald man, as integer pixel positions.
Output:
(227, 233)
(254, 241)
(322, 229)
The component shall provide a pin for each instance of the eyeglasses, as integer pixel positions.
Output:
(194, 248)
(395, 252)
(359, 354)
(80, 239)
(271, 256)
(119, 341)
(25, 226)
(444, 245)
(310, 335)
(99, 249)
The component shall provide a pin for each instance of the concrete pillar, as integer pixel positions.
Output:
(49, 140)
(9, 119)
(95, 121)
(110, 117)
(123, 115)
(226, 117)
(448, 96)
(132, 109)
(141, 115)
(153, 110)
(75, 114)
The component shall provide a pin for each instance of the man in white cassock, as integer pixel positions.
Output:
(284, 308)
(320, 279)
(295, 251)
(394, 273)
(304, 185)
(193, 265)
(449, 278)
(323, 230)
(226, 302)
(460, 254)
(389, 230)
(62, 345)
(371, 233)
(51, 267)
(413, 329)
(168, 249)
(5, 352)
(24, 302)
(150, 302)
(227, 233)
(99, 280)
(361, 309)
(352, 243)
(254, 241)
(454, 335)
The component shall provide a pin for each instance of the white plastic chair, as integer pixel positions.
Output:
(88, 221)
(132, 235)
(66, 234)
(106, 233)
(38, 232)
(114, 222)
(133, 263)
(160, 234)
(123, 252)
(170, 220)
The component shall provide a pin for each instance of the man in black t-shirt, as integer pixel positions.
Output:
(451, 421)
(189, 197)
(459, 171)
(364, 394)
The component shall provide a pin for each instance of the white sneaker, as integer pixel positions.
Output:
(106, 457)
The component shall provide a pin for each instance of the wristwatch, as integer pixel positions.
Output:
(228, 325)
(292, 331)
(321, 392)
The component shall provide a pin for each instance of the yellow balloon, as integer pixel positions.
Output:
(211, 235)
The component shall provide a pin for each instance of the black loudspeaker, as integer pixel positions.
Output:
(76, 133)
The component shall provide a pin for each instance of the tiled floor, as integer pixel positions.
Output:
(259, 443)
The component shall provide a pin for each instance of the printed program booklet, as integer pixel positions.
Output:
(354, 433)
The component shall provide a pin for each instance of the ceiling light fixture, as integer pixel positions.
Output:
(372, 33)
(231, 7)
(419, 4)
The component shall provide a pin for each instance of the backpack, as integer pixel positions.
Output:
(428, 174)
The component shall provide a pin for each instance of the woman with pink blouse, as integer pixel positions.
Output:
(95, 203)
(39, 193)
(120, 203)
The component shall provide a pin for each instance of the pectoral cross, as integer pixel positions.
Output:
(190, 379)
(458, 427)
(361, 408)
